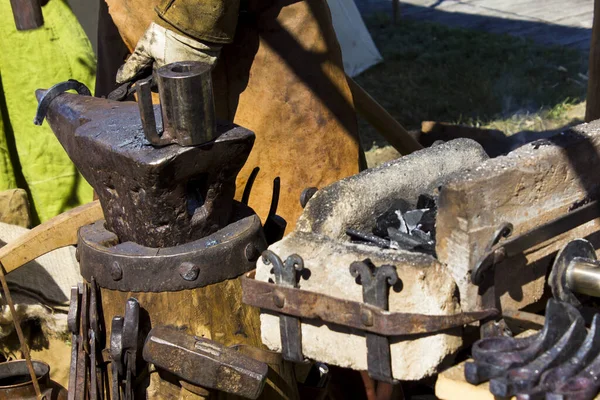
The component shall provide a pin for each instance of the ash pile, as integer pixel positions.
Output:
(403, 227)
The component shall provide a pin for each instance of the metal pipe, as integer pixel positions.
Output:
(186, 99)
(583, 276)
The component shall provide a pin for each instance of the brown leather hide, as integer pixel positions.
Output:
(283, 79)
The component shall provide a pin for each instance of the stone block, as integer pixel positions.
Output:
(530, 186)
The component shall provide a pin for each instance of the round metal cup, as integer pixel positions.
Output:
(15, 381)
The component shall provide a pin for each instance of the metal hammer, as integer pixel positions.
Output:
(205, 363)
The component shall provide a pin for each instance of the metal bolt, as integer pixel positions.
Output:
(366, 317)
(251, 252)
(279, 299)
(115, 271)
(189, 271)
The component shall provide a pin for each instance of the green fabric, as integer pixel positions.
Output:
(30, 156)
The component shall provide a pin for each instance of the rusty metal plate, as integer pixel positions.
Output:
(365, 317)
(128, 266)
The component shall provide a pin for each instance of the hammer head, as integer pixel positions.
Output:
(156, 197)
(203, 362)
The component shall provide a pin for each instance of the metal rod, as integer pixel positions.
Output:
(552, 229)
(583, 276)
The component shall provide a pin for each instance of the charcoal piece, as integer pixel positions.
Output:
(429, 245)
(427, 222)
(362, 236)
(423, 236)
(416, 242)
(404, 239)
(390, 218)
(412, 219)
(426, 201)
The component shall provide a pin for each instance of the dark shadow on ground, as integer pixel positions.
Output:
(538, 31)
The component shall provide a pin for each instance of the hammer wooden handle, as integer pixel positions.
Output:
(27, 14)
(55, 233)
(382, 121)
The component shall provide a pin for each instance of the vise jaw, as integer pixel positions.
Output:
(156, 197)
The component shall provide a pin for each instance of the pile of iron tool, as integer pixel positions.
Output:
(402, 227)
(562, 361)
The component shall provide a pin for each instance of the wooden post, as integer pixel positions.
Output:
(592, 109)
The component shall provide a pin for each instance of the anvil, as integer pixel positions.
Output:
(155, 197)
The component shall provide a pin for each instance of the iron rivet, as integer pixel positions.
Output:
(366, 317)
(251, 252)
(189, 271)
(279, 299)
(115, 271)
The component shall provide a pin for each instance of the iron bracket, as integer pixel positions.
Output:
(132, 267)
(501, 250)
(285, 299)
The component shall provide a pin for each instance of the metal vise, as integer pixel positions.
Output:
(155, 197)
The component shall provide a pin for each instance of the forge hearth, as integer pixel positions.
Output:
(474, 196)
(321, 239)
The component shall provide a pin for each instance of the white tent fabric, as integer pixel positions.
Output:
(358, 50)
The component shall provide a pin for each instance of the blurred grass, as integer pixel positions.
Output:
(433, 72)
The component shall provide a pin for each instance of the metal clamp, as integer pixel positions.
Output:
(375, 283)
(286, 276)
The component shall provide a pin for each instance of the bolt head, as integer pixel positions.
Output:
(116, 272)
(278, 299)
(366, 317)
(251, 252)
(189, 271)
